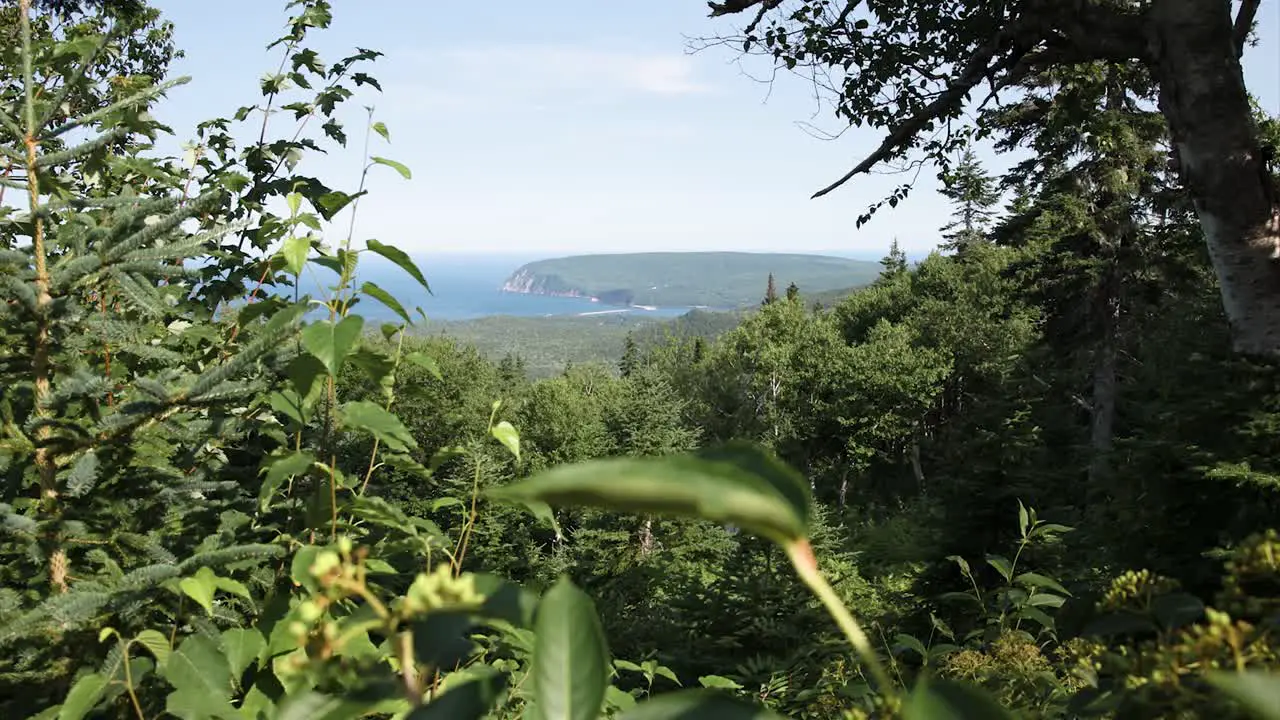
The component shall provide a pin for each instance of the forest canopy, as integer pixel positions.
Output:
(1025, 477)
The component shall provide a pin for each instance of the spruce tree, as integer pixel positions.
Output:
(972, 192)
(770, 292)
(895, 263)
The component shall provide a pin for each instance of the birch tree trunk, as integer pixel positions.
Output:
(1195, 58)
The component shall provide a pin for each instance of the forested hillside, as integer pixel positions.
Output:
(1034, 475)
(720, 280)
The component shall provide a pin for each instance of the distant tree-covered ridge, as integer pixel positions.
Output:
(669, 279)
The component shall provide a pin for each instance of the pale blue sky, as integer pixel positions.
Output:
(578, 126)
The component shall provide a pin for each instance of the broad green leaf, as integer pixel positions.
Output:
(506, 601)
(936, 699)
(243, 646)
(295, 251)
(619, 699)
(627, 665)
(198, 666)
(1175, 610)
(426, 362)
(332, 202)
(662, 671)
(738, 483)
(329, 343)
(386, 298)
(1002, 566)
(279, 471)
(442, 639)
(444, 502)
(157, 644)
(570, 658)
(1046, 600)
(1034, 580)
(1257, 691)
(1023, 519)
(699, 704)
(84, 696)
(192, 703)
(508, 436)
(397, 256)
(910, 642)
(200, 588)
(397, 166)
(381, 129)
(312, 705)
(470, 700)
(378, 422)
(715, 681)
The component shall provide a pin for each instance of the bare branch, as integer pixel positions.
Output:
(1244, 23)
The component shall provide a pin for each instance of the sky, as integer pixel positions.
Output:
(573, 126)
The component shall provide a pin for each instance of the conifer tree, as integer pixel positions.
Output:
(770, 292)
(895, 263)
(793, 291)
(973, 192)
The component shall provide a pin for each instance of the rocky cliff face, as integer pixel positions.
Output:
(528, 282)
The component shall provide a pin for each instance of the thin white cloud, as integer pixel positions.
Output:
(548, 75)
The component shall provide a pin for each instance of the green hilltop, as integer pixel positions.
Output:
(675, 279)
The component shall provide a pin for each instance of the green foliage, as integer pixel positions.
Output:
(219, 501)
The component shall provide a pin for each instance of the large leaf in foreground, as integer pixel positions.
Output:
(937, 699)
(737, 483)
(1257, 691)
(570, 658)
(697, 705)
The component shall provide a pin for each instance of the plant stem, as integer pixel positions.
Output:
(128, 683)
(40, 364)
(801, 555)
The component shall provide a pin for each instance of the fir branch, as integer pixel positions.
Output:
(73, 80)
(137, 98)
(61, 157)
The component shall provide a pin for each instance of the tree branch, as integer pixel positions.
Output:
(1244, 23)
(977, 67)
(731, 7)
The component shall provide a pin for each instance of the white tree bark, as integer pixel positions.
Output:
(1195, 59)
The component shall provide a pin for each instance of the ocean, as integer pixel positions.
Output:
(465, 288)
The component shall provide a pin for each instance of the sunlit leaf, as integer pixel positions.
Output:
(738, 483)
(386, 298)
(506, 434)
(330, 343)
(570, 658)
(295, 251)
(157, 644)
(378, 422)
(397, 166)
(398, 256)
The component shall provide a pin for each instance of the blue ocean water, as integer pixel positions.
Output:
(468, 287)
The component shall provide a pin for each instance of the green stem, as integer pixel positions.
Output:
(801, 555)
